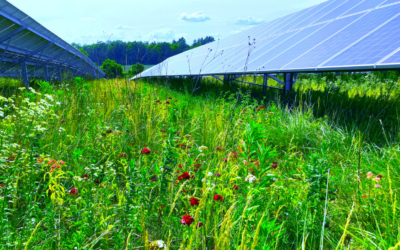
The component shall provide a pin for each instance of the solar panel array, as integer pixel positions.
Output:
(27, 46)
(331, 36)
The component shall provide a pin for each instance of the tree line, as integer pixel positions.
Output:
(130, 53)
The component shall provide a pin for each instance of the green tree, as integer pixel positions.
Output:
(84, 52)
(112, 69)
(136, 69)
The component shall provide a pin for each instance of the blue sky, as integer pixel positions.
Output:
(89, 21)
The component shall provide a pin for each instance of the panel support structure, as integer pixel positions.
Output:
(288, 83)
(24, 71)
(2, 39)
(226, 79)
(265, 83)
(46, 73)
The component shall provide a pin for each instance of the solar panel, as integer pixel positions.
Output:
(333, 35)
(28, 47)
(355, 31)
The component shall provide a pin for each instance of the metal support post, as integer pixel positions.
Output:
(288, 83)
(25, 78)
(46, 73)
(226, 79)
(265, 83)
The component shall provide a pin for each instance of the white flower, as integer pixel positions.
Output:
(210, 174)
(203, 148)
(251, 178)
(158, 244)
(58, 103)
(1, 113)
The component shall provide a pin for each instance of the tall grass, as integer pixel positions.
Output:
(75, 175)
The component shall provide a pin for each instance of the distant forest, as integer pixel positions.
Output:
(129, 53)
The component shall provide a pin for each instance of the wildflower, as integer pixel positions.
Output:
(199, 225)
(369, 175)
(62, 162)
(377, 179)
(192, 176)
(365, 196)
(73, 191)
(256, 163)
(109, 131)
(210, 174)
(251, 178)
(274, 165)
(236, 187)
(379, 176)
(178, 171)
(119, 132)
(218, 174)
(176, 182)
(244, 110)
(225, 160)
(122, 155)
(187, 220)
(218, 197)
(197, 165)
(170, 98)
(180, 166)
(158, 101)
(167, 103)
(184, 176)
(188, 136)
(97, 182)
(40, 160)
(51, 161)
(194, 201)
(219, 148)
(158, 244)
(377, 186)
(203, 148)
(146, 151)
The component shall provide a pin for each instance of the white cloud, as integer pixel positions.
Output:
(89, 19)
(166, 33)
(123, 27)
(240, 30)
(195, 17)
(248, 21)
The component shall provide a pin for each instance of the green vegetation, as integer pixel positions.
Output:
(113, 164)
(128, 53)
(112, 69)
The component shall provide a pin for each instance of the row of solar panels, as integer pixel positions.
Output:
(332, 36)
(29, 49)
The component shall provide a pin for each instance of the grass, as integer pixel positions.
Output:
(102, 165)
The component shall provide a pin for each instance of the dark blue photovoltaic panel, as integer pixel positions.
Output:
(339, 11)
(367, 4)
(301, 15)
(241, 52)
(372, 48)
(308, 43)
(337, 33)
(261, 56)
(395, 58)
(328, 9)
(239, 61)
(390, 1)
(344, 38)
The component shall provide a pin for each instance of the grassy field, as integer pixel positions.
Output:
(113, 164)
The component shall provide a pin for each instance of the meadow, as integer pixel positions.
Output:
(181, 164)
